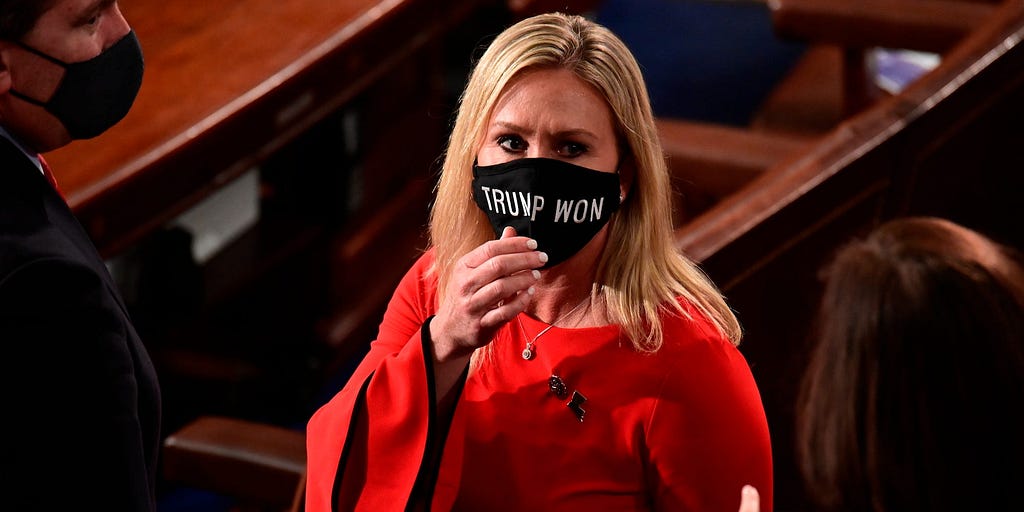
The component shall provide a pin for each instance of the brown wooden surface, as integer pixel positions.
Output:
(226, 84)
(949, 145)
(809, 98)
(216, 454)
(832, 82)
(925, 25)
(708, 162)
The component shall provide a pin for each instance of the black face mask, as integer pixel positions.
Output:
(94, 94)
(558, 204)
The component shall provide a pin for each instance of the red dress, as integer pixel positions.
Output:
(681, 429)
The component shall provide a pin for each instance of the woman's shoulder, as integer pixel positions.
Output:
(688, 325)
(690, 339)
(698, 360)
(418, 288)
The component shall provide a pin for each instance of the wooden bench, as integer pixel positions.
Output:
(226, 85)
(829, 84)
(840, 33)
(948, 145)
(215, 453)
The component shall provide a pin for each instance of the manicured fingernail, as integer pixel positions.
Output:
(530, 290)
(543, 257)
(536, 274)
(531, 244)
(749, 490)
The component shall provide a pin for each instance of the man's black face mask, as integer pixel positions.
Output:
(94, 94)
(558, 204)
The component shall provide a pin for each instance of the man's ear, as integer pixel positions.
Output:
(5, 69)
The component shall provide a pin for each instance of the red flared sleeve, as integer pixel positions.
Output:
(384, 414)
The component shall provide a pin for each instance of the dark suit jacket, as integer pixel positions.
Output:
(80, 421)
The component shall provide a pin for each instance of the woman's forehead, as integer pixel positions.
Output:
(555, 98)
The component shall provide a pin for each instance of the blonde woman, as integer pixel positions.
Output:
(551, 350)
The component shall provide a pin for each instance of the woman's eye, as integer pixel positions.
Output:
(572, 149)
(511, 143)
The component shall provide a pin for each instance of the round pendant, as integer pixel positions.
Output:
(527, 353)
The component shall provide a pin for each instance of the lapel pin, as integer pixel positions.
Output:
(557, 387)
(576, 405)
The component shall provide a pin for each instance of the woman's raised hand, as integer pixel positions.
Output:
(489, 286)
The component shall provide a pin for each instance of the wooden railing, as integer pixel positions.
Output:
(948, 145)
(227, 84)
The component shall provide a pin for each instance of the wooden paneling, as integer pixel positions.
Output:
(948, 145)
(227, 84)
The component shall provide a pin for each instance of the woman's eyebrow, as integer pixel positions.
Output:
(576, 132)
(512, 127)
(570, 132)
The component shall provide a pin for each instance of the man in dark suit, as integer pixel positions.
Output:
(80, 400)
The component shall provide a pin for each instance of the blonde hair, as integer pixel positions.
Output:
(641, 272)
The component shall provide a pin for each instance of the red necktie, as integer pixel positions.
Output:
(48, 173)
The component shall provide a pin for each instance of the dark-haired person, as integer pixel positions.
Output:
(913, 397)
(80, 398)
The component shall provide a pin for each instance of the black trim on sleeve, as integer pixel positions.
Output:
(437, 428)
(357, 409)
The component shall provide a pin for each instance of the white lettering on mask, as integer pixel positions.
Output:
(578, 210)
(538, 205)
(520, 204)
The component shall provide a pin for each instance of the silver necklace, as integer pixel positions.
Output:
(529, 351)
